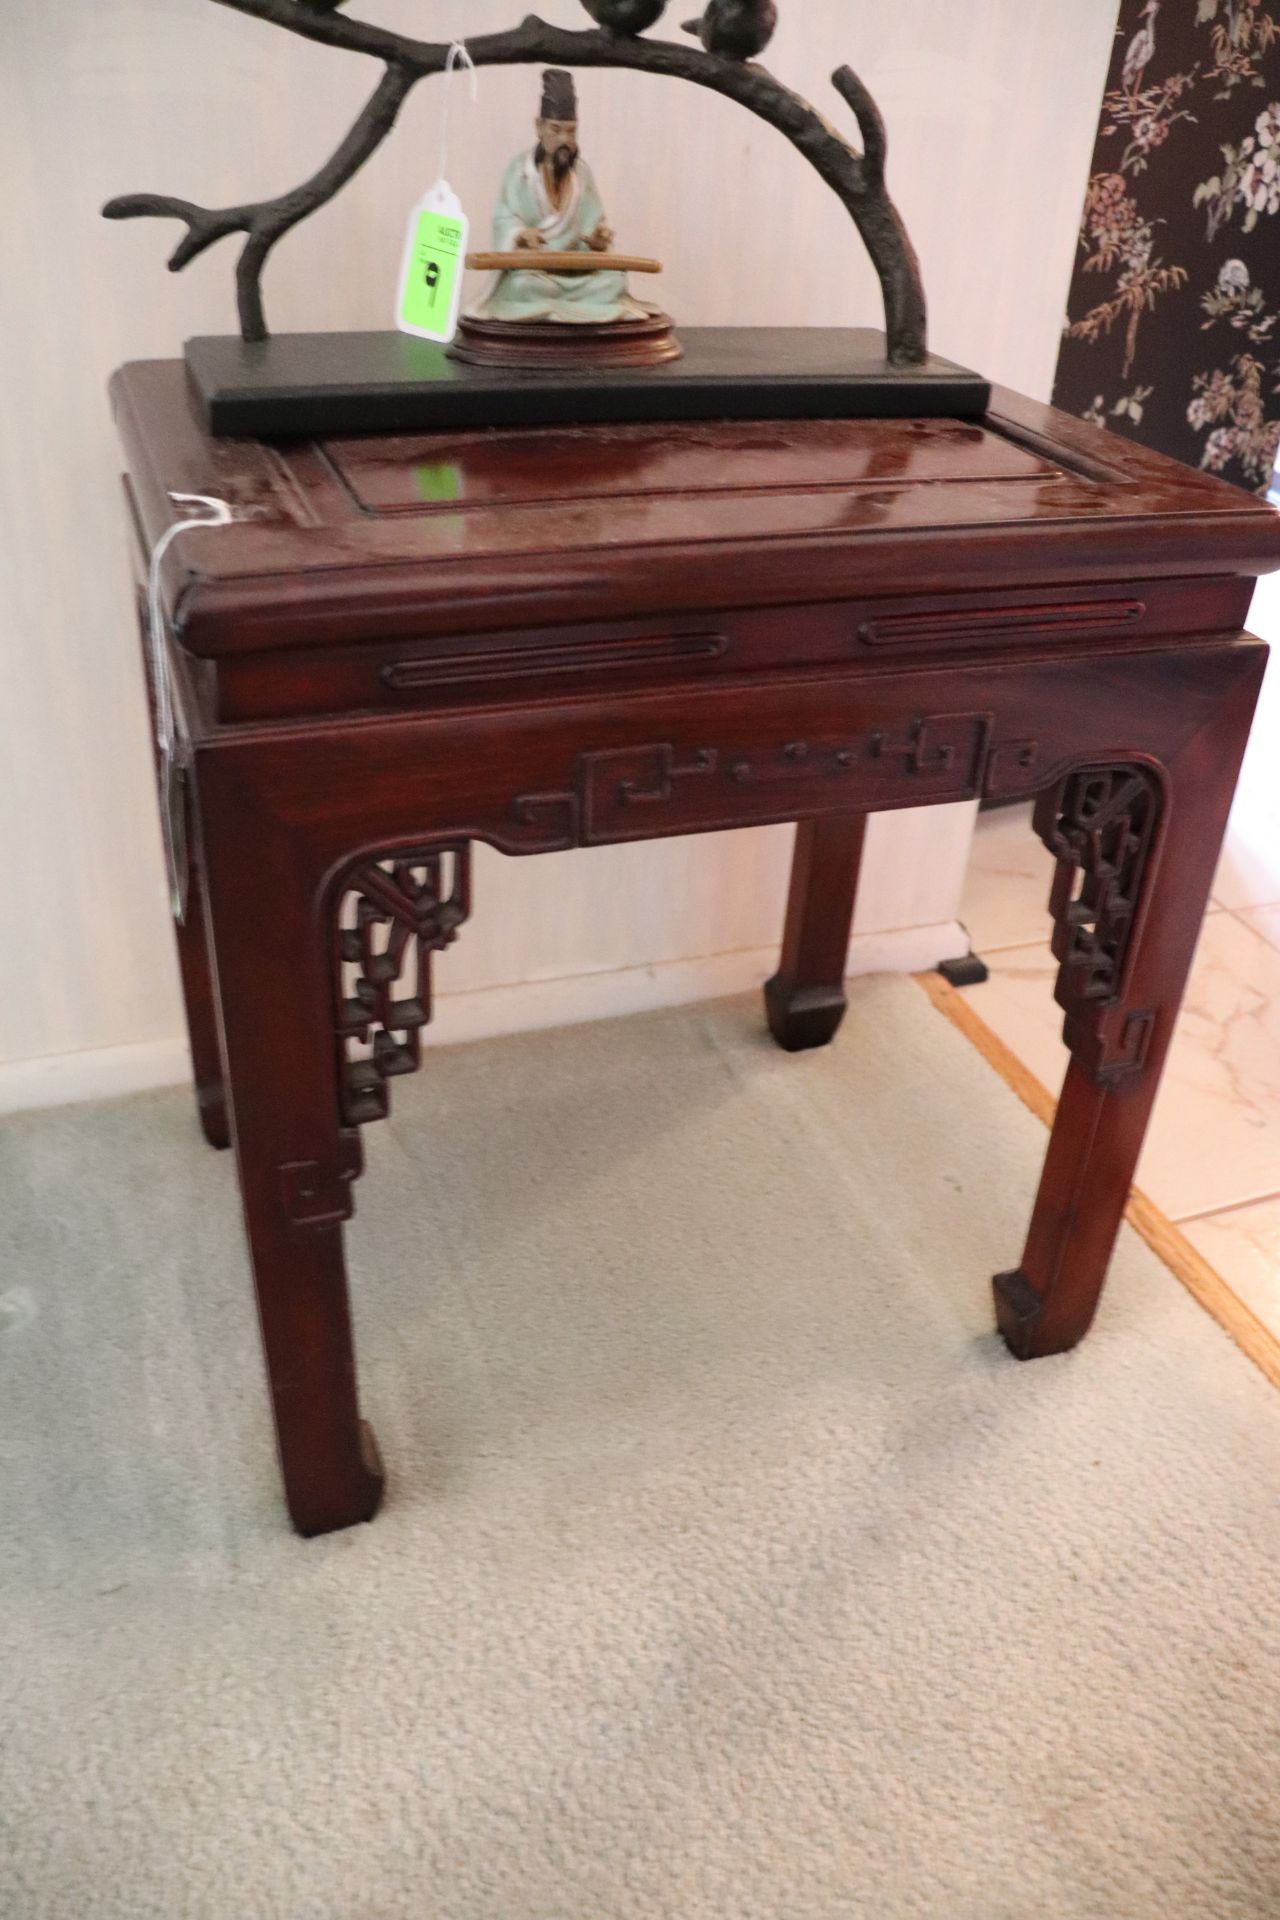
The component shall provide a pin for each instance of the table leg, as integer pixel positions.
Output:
(1147, 846)
(192, 940)
(295, 1158)
(805, 1000)
(202, 1021)
(329, 1458)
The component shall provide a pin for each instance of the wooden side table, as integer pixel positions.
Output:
(558, 638)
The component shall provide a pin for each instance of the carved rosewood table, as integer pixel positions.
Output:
(547, 639)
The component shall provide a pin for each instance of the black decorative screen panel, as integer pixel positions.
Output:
(1173, 328)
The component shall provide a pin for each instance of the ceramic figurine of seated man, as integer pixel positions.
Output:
(550, 202)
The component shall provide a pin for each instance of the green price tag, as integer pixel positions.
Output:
(431, 276)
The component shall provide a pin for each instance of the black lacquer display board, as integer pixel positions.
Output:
(317, 384)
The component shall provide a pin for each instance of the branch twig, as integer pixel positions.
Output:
(857, 179)
(266, 222)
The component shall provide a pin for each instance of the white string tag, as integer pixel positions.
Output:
(172, 774)
(435, 252)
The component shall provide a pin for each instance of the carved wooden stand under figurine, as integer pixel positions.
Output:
(548, 639)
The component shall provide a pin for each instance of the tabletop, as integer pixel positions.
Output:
(453, 533)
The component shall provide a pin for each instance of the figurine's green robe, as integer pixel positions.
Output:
(591, 298)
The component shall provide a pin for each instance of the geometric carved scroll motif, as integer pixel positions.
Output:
(635, 793)
(392, 915)
(1101, 826)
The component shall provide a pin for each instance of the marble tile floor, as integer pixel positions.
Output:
(1212, 1159)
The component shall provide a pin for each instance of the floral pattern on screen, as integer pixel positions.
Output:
(1173, 323)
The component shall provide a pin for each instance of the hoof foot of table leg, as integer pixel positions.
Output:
(1035, 1327)
(1028, 1331)
(211, 1106)
(803, 1017)
(328, 1511)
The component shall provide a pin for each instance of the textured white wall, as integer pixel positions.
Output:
(991, 106)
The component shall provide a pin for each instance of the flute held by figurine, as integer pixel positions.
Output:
(543, 260)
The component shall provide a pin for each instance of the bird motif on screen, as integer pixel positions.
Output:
(738, 29)
(1142, 50)
(625, 16)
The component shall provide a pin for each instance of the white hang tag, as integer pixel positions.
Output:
(435, 254)
(435, 251)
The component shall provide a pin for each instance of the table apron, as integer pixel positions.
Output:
(587, 772)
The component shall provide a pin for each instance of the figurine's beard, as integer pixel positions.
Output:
(563, 160)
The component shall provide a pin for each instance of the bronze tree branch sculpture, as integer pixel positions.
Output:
(856, 179)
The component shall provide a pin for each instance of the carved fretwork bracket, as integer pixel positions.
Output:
(1100, 824)
(391, 916)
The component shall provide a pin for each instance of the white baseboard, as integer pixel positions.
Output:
(605, 996)
(101, 1073)
(104, 1072)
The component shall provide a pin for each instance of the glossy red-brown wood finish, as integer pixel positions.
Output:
(565, 638)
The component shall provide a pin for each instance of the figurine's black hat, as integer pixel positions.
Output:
(559, 95)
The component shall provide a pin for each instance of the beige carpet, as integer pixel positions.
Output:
(730, 1568)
